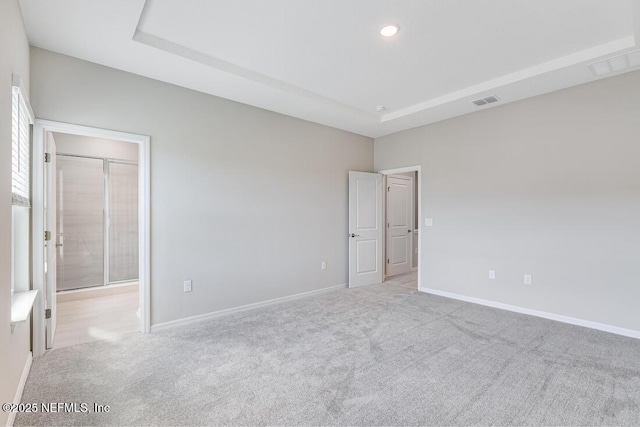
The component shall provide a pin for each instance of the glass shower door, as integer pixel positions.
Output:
(80, 222)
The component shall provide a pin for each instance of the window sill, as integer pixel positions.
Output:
(21, 305)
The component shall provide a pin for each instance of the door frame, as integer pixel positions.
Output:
(40, 129)
(386, 219)
(417, 183)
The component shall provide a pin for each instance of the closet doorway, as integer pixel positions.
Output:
(402, 239)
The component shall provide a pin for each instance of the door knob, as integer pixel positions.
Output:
(354, 235)
(58, 245)
(409, 231)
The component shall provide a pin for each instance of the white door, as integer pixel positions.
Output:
(365, 228)
(53, 243)
(399, 224)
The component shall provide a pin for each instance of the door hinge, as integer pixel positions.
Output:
(47, 313)
(388, 189)
(387, 225)
(387, 260)
(47, 157)
(47, 236)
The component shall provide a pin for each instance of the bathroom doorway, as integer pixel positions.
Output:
(91, 203)
(97, 254)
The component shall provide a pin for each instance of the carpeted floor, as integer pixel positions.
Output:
(379, 355)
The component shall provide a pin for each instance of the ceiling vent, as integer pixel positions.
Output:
(616, 64)
(484, 101)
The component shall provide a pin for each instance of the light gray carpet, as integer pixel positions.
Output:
(380, 355)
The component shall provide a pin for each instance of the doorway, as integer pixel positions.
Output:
(91, 202)
(370, 233)
(401, 228)
(96, 212)
(96, 238)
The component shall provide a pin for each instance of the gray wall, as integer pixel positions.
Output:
(548, 186)
(95, 147)
(14, 58)
(245, 202)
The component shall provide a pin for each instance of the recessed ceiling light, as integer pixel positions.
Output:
(389, 30)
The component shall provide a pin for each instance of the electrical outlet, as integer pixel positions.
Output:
(187, 285)
(428, 222)
(323, 266)
(492, 274)
(527, 279)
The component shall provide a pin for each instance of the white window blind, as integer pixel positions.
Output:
(20, 154)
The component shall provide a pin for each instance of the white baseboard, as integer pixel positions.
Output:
(247, 307)
(545, 315)
(21, 384)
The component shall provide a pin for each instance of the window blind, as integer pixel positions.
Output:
(20, 154)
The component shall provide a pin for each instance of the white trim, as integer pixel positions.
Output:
(41, 127)
(52, 126)
(17, 82)
(37, 247)
(556, 64)
(400, 170)
(247, 307)
(545, 315)
(418, 183)
(21, 306)
(23, 380)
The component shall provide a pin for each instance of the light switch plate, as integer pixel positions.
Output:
(528, 279)
(428, 222)
(187, 285)
(492, 274)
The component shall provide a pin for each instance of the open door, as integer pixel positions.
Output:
(399, 239)
(52, 242)
(365, 228)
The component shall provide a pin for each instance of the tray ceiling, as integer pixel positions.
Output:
(326, 62)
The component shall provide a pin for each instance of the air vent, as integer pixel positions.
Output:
(616, 64)
(484, 101)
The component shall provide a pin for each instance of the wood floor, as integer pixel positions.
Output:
(93, 319)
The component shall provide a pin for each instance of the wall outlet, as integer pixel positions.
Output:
(527, 279)
(187, 285)
(492, 274)
(323, 266)
(428, 222)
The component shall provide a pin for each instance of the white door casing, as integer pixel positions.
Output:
(50, 208)
(40, 129)
(399, 228)
(365, 228)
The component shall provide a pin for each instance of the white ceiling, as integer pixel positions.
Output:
(326, 62)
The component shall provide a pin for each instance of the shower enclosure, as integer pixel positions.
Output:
(97, 220)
